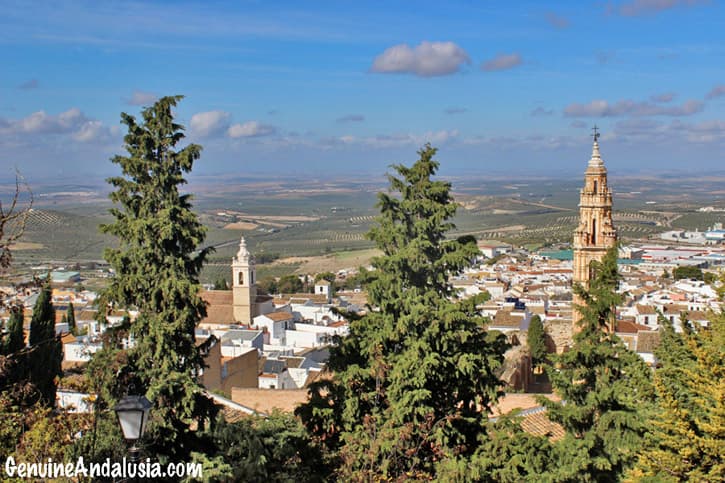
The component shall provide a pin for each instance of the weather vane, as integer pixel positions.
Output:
(596, 133)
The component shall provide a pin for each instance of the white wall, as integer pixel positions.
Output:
(79, 351)
(296, 338)
(74, 402)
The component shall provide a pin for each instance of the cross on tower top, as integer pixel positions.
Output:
(596, 133)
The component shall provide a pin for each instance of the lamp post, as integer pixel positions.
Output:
(132, 413)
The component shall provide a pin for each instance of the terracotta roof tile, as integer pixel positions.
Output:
(505, 318)
(697, 315)
(646, 310)
(629, 327)
(279, 316)
(219, 308)
(266, 400)
(648, 340)
(674, 309)
(536, 422)
(219, 314)
(218, 297)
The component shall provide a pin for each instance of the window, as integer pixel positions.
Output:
(240, 280)
(646, 320)
(594, 231)
(595, 186)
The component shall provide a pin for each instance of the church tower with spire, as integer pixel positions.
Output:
(244, 287)
(595, 233)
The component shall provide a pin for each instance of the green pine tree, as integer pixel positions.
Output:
(687, 437)
(414, 380)
(70, 318)
(47, 350)
(606, 390)
(15, 338)
(157, 269)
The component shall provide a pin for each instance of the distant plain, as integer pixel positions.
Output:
(317, 224)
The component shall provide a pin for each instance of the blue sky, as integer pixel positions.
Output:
(334, 87)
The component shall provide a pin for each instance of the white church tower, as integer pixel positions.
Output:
(244, 285)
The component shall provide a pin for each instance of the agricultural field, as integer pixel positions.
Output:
(317, 225)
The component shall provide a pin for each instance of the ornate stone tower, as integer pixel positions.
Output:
(244, 285)
(595, 233)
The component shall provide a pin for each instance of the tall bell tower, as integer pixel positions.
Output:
(595, 233)
(244, 287)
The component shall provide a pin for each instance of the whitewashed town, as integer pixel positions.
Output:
(280, 341)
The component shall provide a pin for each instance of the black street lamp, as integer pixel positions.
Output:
(132, 413)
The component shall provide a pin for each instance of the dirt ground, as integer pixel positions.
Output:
(240, 225)
(331, 263)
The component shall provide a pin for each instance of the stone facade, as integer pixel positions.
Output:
(595, 233)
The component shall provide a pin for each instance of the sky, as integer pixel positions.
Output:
(349, 87)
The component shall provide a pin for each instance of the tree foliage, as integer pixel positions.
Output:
(70, 318)
(221, 284)
(536, 340)
(329, 276)
(414, 381)
(14, 340)
(274, 449)
(606, 390)
(157, 267)
(687, 272)
(289, 284)
(507, 454)
(47, 350)
(687, 437)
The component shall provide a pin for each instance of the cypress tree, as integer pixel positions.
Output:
(157, 272)
(605, 388)
(536, 341)
(70, 318)
(42, 322)
(414, 380)
(15, 338)
(47, 351)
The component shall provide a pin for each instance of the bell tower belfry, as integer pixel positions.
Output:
(595, 233)
(244, 284)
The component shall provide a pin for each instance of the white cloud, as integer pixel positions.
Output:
(427, 59)
(205, 124)
(635, 8)
(91, 131)
(71, 122)
(502, 62)
(396, 140)
(141, 98)
(602, 108)
(717, 91)
(250, 129)
(455, 110)
(647, 132)
(664, 97)
(540, 111)
(42, 122)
